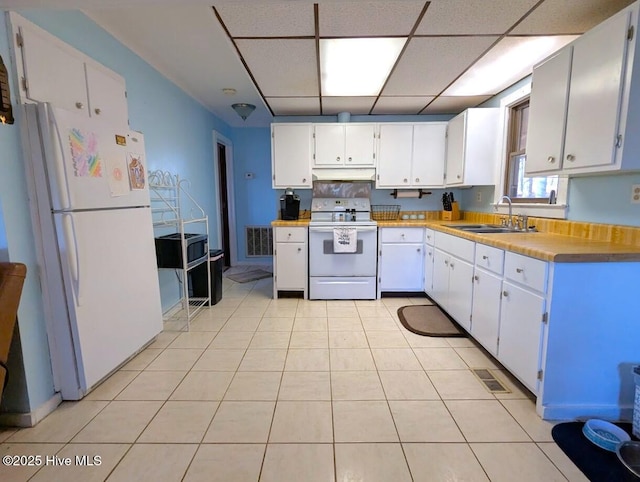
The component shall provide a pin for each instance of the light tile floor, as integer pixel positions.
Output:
(294, 390)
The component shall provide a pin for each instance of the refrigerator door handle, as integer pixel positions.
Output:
(73, 253)
(58, 159)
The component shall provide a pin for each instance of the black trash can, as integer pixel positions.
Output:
(198, 277)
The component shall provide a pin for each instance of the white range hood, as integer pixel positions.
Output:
(344, 174)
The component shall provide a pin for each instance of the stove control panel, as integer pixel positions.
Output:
(340, 204)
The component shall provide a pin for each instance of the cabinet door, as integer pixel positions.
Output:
(440, 290)
(429, 150)
(485, 310)
(428, 269)
(291, 266)
(456, 149)
(521, 333)
(547, 113)
(401, 267)
(394, 155)
(291, 155)
(360, 145)
(460, 291)
(53, 74)
(107, 95)
(594, 99)
(329, 145)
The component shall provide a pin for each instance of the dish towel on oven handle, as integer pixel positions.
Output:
(345, 240)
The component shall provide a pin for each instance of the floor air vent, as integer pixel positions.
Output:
(259, 241)
(490, 381)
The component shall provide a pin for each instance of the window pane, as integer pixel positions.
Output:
(524, 125)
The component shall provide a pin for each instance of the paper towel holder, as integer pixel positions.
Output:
(410, 193)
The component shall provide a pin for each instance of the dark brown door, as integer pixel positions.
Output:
(224, 203)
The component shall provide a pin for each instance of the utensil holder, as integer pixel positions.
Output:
(452, 215)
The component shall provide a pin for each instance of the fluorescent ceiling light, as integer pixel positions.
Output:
(357, 66)
(509, 61)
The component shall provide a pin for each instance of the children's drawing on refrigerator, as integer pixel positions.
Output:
(136, 171)
(84, 153)
(117, 177)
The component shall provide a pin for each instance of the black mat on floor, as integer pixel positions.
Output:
(597, 464)
(428, 320)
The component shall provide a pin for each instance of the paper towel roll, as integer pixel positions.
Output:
(408, 193)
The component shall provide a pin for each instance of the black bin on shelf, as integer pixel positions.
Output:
(198, 277)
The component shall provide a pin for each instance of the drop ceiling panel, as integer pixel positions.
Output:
(354, 105)
(282, 67)
(294, 105)
(268, 19)
(430, 63)
(361, 19)
(454, 105)
(568, 16)
(401, 105)
(459, 17)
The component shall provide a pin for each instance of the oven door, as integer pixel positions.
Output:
(324, 262)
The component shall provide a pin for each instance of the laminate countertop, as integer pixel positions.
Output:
(541, 245)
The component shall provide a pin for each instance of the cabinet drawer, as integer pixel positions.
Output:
(527, 271)
(489, 258)
(460, 247)
(401, 235)
(291, 235)
(429, 236)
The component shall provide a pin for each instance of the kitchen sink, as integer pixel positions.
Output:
(487, 228)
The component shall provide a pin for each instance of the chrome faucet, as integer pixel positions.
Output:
(510, 220)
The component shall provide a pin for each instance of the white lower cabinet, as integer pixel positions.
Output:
(520, 336)
(290, 260)
(401, 259)
(452, 288)
(428, 269)
(485, 311)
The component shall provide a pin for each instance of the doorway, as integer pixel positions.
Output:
(223, 166)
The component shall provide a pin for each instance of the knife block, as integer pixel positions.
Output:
(452, 215)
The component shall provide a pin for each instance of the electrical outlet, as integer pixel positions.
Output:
(635, 194)
(479, 197)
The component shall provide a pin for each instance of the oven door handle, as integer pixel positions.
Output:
(330, 230)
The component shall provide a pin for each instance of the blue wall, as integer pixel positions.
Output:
(178, 138)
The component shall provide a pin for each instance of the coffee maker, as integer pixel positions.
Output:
(289, 205)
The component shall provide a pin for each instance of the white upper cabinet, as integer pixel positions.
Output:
(411, 155)
(291, 151)
(598, 132)
(52, 71)
(549, 97)
(473, 147)
(344, 145)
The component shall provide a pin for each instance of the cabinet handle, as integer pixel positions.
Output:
(452, 265)
(519, 270)
(571, 157)
(402, 235)
(551, 159)
(418, 250)
(299, 249)
(446, 262)
(288, 234)
(405, 180)
(349, 159)
(304, 179)
(485, 257)
(458, 176)
(79, 105)
(97, 111)
(476, 277)
(338, 159)
(505, 293)
(417, 179)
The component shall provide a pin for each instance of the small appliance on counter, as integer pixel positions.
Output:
(289, 205)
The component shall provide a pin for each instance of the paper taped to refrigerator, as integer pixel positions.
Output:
(137, 174)
(84, 153)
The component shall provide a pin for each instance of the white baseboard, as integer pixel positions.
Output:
(30, 419)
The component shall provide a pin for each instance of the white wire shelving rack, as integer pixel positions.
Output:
(174, 211)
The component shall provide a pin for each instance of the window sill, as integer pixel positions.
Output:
(555, 211)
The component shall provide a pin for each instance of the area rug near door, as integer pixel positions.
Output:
(428, 320)
(246, 276)
(596, 463)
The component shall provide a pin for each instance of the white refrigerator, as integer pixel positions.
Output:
(94, 233)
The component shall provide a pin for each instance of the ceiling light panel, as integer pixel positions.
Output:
(454, 105)
(429, 64)
(282, 67)
(294, 105)
(400, 105)
(568, 16)
(354, 105)
(362, 19)
(268, 19)
(509, 61)
(460, 17)
(357, 66)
